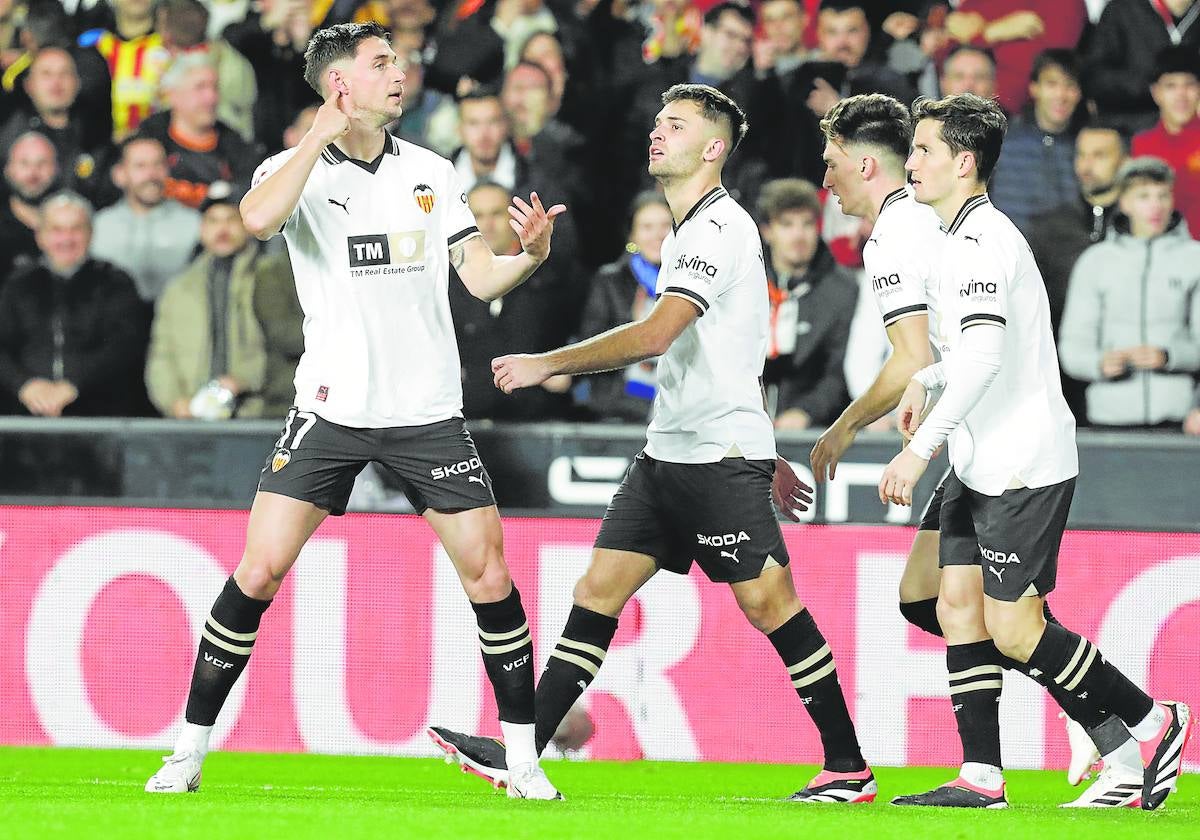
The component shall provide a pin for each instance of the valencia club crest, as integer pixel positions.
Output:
(424, 197)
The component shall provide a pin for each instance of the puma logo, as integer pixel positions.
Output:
(582, 685)
(719, 225)
(476, 478)
(732, 555)
(341, 204)
(999, 573)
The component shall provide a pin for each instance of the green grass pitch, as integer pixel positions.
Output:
(98, 793)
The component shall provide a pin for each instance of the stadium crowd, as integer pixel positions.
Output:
(129, 129)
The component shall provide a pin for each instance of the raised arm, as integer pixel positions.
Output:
(488, 276)
(273, 197)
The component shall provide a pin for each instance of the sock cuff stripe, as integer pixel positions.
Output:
(505, 636)
(587, 665)
(240, 650)
(977, 671)
(1066, 672)
(819, 674)
(507, 648)
(583, 647)
(1081, 672)
(229, 634)
(978, 685)
(806, 663)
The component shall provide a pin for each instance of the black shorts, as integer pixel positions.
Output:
(931, 518)
(719, 515)
(436, 464)
(1015, 536)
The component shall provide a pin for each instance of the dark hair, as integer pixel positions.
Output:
(970, 123)
(48, 24)
(971, 48)
(716, 107)
(840, 6)
(874, 119)
(489, 184)
(1174, 59)
(478, 93)
(784, 194)
(333, 43)
(1065, 60)
(124, 145)
(186, 20)
(644, 199)
(1101, 124)
(741, 9)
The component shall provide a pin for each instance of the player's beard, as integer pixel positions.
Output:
(674, 167)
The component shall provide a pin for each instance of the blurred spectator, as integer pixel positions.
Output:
(571, 91)
(136, 61)
(841, 67)
(812, 302)
(1036, 171)
(420, 104)
(1132, 322)
(273, 37)
(1191, 423)
(1123, 50)
(53, 88)
(782, 48)
(526, 320)
(146, 234)
(281, 319)
(969, 69)
(72, 330)
(200, 149)
(486, 153)
(1057, 237)
(45, 24)
(31, 173)
(464, 47)
(205, 329)
(1017, 31)
(552, 148)
(1176, 137)
(624, 291)
(515, 20)
(183, 25)
(294, 133)
(11, 15)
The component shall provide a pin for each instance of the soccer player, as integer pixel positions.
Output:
(701, 490)
(867, 140)
(1014, 465)
(372, 224)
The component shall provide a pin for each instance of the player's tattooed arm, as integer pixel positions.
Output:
(458, 256)
(488, 276)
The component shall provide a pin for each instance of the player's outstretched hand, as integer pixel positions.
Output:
(791, 495)
(831, 446)
(331, 121)
(521, 370)
(900, 477)
(534, 224)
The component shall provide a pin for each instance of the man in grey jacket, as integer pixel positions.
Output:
(147, 234)
(1131, 327)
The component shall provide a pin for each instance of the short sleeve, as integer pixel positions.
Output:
(459, 221)
(982, 285)
(268, 168)
(704, 263)
(896, 279)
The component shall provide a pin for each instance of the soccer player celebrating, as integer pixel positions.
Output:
(1014, 464)
(372, 224)
(702, 488)
(867, 140)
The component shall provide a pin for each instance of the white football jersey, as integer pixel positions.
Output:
(709, 400)
(369, 247)
(899, 260)
(1021, 432)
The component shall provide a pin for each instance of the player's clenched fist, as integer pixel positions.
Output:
(331, 121)
(519, 371)
(534, 224)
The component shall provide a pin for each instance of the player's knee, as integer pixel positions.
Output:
(485, 577)
(256, 580)
(768, 611)
(593, 594)
(957, 612)
(1014, 636)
